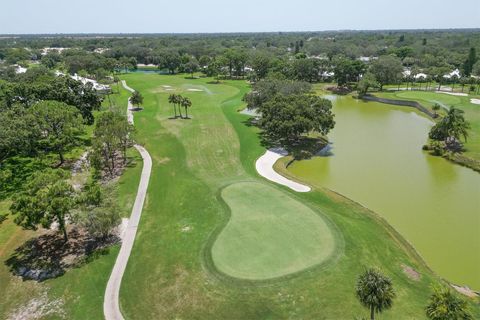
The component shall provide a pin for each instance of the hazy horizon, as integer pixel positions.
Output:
(233, 32)
(214, 16)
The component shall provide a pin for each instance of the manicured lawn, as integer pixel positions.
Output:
(169, 274)
(428, 99)
(269, 234)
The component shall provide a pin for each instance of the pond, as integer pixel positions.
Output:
(376, 160)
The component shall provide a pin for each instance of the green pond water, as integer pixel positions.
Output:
(376, 160)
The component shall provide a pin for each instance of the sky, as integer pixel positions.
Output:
(192, 16)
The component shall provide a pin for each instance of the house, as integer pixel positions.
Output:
(96, 86)
(454, 73)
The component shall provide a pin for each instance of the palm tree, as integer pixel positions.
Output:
(179, 100)
(186, 103)
(435, 108)
(173, 100)
(136, 99)
(375, 291)
(453, 125)
(445, 305)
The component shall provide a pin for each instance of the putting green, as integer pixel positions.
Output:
(269, 234)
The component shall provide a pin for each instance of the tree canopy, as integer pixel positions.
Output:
(286, 117)
(47, 199)
(375, 291)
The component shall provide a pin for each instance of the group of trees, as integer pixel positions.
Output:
(311, 56)
(35, 86)
(289, 111)
(43, 114)
(448, 132)
(46, 127)
(112, 136)
(48, 199)
(375, 291)
(180, 101)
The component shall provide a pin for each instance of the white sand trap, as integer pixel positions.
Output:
(169, 89)
(475, 101)
(264, 166)
(195, 90)
(250, 112)
(167, 86)
(453, 93)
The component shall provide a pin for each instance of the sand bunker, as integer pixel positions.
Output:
(264, 166)
(453, 93)
(195, 90)
(167, 86)
(250, 112)
(475, 101)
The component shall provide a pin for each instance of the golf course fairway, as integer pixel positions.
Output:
(187, 260)
(269, 234)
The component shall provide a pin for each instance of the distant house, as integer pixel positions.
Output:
(454, 73)
(96, 86)
(19, 69)
(420, 76)
(326, 75)
(101, 50)
(48, 49)
(366, 59)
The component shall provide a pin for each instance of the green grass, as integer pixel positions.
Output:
(428, 99)
(269, 234)
(169, 275)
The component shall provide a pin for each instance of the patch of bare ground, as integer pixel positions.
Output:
(119, 166)
(465, 291)
(49, 256)
(178, 293)
(39, 307)
(411, 273)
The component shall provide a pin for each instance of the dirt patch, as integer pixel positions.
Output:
(465, 291)
(411, 273)
(39, 308)
(48, 256)
(163, 160)
(161, 89)
(178, 295)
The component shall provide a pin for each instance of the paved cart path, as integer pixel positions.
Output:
(111, 304)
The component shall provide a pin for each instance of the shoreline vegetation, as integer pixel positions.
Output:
(456, 158)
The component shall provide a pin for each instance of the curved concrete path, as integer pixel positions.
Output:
(264, 166)
(111, 304)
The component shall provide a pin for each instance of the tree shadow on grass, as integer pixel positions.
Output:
(304, 147)
(48, 256)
